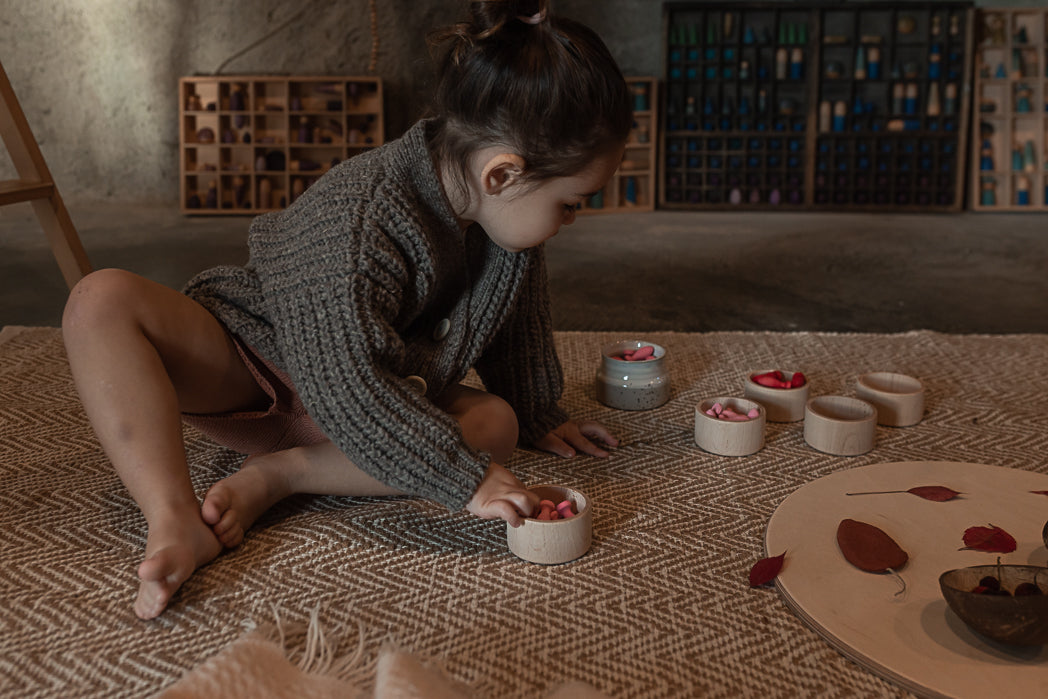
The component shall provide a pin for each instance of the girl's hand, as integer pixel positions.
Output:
(575, 436)
(501, 496)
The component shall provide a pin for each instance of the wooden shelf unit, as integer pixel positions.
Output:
(632, 187)
(250, 144)
(779, 105)
(1009, 146)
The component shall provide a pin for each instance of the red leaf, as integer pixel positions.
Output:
(937, 493)
(765, 570)
(1039, 492)
(868, 548)
(989, 539)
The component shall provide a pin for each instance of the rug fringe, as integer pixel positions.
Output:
(314, 651)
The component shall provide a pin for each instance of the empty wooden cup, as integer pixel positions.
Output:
(557, 541)
(780, 404)
(728, 437)
(898, 398)
(840, 425)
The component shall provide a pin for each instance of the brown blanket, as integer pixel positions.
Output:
(659, 607)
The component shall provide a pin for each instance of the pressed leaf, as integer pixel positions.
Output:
(936, 493)
(989, 539)
(765, 570)
(868, 548)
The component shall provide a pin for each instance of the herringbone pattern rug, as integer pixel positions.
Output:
(659, 607)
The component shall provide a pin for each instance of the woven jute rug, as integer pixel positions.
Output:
(659, 607)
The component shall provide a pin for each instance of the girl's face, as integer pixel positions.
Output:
(526, 214)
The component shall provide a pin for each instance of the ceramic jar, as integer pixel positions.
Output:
(632, 385)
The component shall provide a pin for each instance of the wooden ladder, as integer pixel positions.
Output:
(34, 184)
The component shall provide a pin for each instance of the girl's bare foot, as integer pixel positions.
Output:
(174, 549)
(233, 504)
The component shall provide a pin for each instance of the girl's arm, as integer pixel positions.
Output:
(521, 364)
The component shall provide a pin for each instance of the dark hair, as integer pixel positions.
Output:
(545, 86)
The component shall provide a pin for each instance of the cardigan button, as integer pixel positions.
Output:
(418, 384)
(442, 330)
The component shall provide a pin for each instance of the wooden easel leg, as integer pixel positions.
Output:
(62, 237)
(35, 184)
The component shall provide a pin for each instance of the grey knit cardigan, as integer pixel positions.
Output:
(345, 290)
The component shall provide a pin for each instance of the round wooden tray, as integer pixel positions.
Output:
(912, 638)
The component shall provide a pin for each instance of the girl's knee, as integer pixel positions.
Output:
(98, 297)
(491, 425)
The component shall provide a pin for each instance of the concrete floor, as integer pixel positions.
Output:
(683, 271)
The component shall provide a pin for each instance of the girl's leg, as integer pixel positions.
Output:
(141, 353)
(233, 504)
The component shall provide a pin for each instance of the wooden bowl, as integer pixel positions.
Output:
(780, 404)
(729, 438)
(556, 541)
(899, 398)
(840, 425)
(1021, 621)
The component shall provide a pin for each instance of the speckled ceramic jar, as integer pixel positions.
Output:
(628, 385)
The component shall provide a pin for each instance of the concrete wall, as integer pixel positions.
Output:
(98, 78)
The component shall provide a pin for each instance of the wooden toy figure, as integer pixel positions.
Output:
(873, 63)
(640, 98)
(995, 29)
(988, 193)
(631, 191)
(1029, 159)
(1023, 93)
(986, 156)
(1022, 190)
(934, 103)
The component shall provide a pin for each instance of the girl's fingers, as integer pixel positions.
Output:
(596, 430)
(587, 447)
(555, 445)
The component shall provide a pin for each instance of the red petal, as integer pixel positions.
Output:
(988, 539)
(765, 570)
(868, 548)
(768, 380)
(1039, 492)
(938, 493)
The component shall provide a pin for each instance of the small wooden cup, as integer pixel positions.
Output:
(781, 404)
(556, 541)
(726, 437)
(840, 425)
(898, 398)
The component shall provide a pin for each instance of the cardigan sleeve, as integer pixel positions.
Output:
(521, 365)
(336, 304)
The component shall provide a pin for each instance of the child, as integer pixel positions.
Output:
(334, 357)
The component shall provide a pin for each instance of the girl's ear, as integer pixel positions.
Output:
(501, 171)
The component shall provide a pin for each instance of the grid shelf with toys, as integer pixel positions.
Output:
(845, 106)
(250, 144)
(632, 187)
(1010, 163)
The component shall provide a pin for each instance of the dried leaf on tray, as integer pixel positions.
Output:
(868, 548)
(936, 493)
(988, 539)
(765, 570)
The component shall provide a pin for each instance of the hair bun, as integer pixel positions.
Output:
(490, 17)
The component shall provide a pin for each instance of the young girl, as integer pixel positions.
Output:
(334, 357)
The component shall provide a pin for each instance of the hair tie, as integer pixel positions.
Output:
(536, 18)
